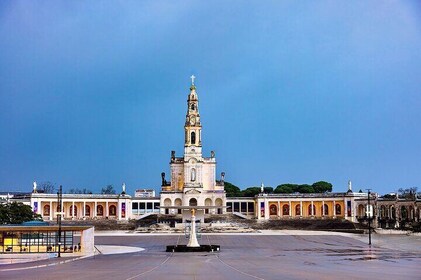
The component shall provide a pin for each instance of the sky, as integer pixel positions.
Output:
(94, 93)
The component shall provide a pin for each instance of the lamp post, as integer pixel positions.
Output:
(59, 198)
(369, 217)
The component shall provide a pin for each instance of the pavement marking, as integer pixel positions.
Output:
(150, 270)
(233, 268)
(45, 265)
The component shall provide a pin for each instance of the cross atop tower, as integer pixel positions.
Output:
(192, 79)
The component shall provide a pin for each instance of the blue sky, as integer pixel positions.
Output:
(94, 93)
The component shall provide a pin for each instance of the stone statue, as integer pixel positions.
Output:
(222, 176)
(349, 186)
(123, 187)
(262, 188)
(163, 178)
(35, 187)
(172, 155)
(212, 154)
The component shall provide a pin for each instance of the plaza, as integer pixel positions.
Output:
(267, 255)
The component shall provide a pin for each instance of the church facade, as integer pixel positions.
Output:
(193, 176)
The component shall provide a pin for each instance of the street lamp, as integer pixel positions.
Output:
(59, 213)
(369, 214)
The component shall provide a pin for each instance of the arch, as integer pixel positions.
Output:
(325, 210)
(298, 210)
(208, 202)
(338, 209)
(393, 212)
(46, 211)
(193, 175)
(87, 210)
(404, 212)
(192, 107)
(178, 202)
(314, 210)
(285, 210)
(411, 212)
(218, 202)
(112, 210)
(193, 137)
(361, 210)
(167, 202)
(193, 202)
(382, 211)
(273, 209)
(74, 209)
(99, 210)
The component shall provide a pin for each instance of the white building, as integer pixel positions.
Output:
(193, 180)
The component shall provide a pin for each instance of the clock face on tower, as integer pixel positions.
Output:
(192, 120)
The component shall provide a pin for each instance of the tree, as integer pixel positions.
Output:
(251, 191)
(109, 189)
(286, 188)
(17, 213)
(79, 191)
(268, 190)
(46, 187)
(408, 193)
(232, 190)
(322, 187)
(304, 188)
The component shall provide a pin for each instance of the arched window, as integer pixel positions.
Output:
(87, 210)
(285, 209)
(273, 210)
(73, 209)
(193, 202)
(193, 137)
(297, 210)
(193, 175)
(47, 210)
(338, 209)
(99, 210)
(192, 107)
(404, 212)
(113, 210)
(325, 210)
(382, 211)
(392, 209)
(314, 210)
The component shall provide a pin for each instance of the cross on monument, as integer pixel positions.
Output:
(192, 79)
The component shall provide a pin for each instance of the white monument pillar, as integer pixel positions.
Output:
(193, 238)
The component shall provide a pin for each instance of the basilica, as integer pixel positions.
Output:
(193, 182)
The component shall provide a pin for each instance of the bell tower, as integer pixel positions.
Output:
(192, 126)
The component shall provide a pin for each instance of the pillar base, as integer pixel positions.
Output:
(185, 249)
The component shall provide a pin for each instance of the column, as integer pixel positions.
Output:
(259, 210)
(266, 209)
(119, 209)
(323, 208)
(51, 211)
(279, 208)
(94, 212)
(334, 209)
(346, 209)
(106, 209)
(301, 208)
(290, 210)
(73, 209)
(84, 209)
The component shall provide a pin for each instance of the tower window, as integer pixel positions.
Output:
(192, 107)
(193, 137)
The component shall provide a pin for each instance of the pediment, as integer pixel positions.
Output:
(192, 192)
